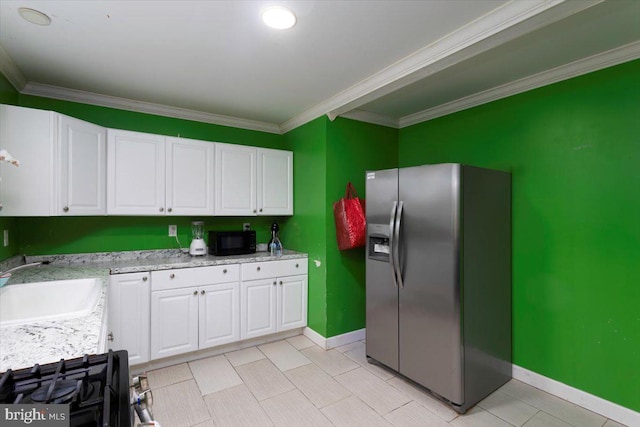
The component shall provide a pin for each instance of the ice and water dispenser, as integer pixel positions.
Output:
(379, 242)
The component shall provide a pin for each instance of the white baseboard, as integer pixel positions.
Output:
(588, 401)
(336, 341)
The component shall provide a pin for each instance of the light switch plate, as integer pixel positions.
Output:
(6, 238)
(173, 230)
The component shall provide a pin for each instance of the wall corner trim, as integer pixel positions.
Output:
(586, 400)
(335, 341)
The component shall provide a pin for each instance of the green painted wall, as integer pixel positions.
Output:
(573, 149)
(352, 148)
(327, 155)
(8, 95)
(306, 230)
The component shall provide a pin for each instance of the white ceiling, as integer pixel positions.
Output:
(391, 62)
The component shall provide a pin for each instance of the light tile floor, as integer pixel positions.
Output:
(293, 382)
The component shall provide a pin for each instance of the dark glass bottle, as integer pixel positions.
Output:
(275, 246)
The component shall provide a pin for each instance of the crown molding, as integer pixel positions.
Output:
(369, 117)
(11, 70)
(501, 25)
(593, 63)
(74, 95)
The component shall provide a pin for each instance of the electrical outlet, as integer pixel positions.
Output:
(246, 226)
(6, 238)
(173, 230)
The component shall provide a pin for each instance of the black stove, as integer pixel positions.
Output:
(96, 388)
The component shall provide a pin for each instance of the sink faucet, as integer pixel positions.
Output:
(6, 275)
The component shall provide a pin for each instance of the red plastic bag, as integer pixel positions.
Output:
(351, 223)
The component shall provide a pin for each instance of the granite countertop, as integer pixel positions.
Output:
(140, 261)
(24, 345)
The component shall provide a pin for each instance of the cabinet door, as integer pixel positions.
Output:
(258, 308)
(292, 302)
(129, 306)
(31, 137)
(275, 182)
(189, 177)
(235, 182)
(174, 322)
(83, 162)
(135, 174)
(219, 314)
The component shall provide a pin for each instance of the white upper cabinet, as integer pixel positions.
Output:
(189, 184)
(253, 181)
(62, 164)
(70, 167)
(136, 173)
(83, 162)
(235, 192)
(275, 182)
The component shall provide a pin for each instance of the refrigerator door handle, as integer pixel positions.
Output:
(396, 250)
(392, 223)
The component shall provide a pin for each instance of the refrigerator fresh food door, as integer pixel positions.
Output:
(382, 289)
(430, 336)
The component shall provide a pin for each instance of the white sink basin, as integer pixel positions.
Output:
(41, 301)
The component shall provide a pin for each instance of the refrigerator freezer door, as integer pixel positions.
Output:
(382, 291)
(430, 342)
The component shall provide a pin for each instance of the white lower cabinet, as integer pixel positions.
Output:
(171, 312)
(129, 315)
(274, 297)
(194, 308)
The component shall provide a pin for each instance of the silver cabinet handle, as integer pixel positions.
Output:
(254, 211)
(274, 283)
(195, 292)
(161, 209)
(202, 292)
(280, 282)
(258, 268)
(170, 210)
(260, 209)
(110, 336)
(224, 271)
(66, 209)
(296, 265)
(172, 276)
(144, 279)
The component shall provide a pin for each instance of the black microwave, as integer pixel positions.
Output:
(223, 243)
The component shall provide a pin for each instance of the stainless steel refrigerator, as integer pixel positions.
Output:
(438, 280)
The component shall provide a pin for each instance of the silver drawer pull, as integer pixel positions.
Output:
(296, 265)
(274, 283)
(281, 282)
(144, 279)
(172, 276)
(66, 209)
(202, 292)
(224, 271)
(161, 209)
(258, 268)
(195, 292)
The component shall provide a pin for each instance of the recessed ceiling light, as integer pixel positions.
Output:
(34, 16)
(279, 17)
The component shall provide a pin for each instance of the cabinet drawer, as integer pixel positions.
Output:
(197, 276)
(265, 269)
